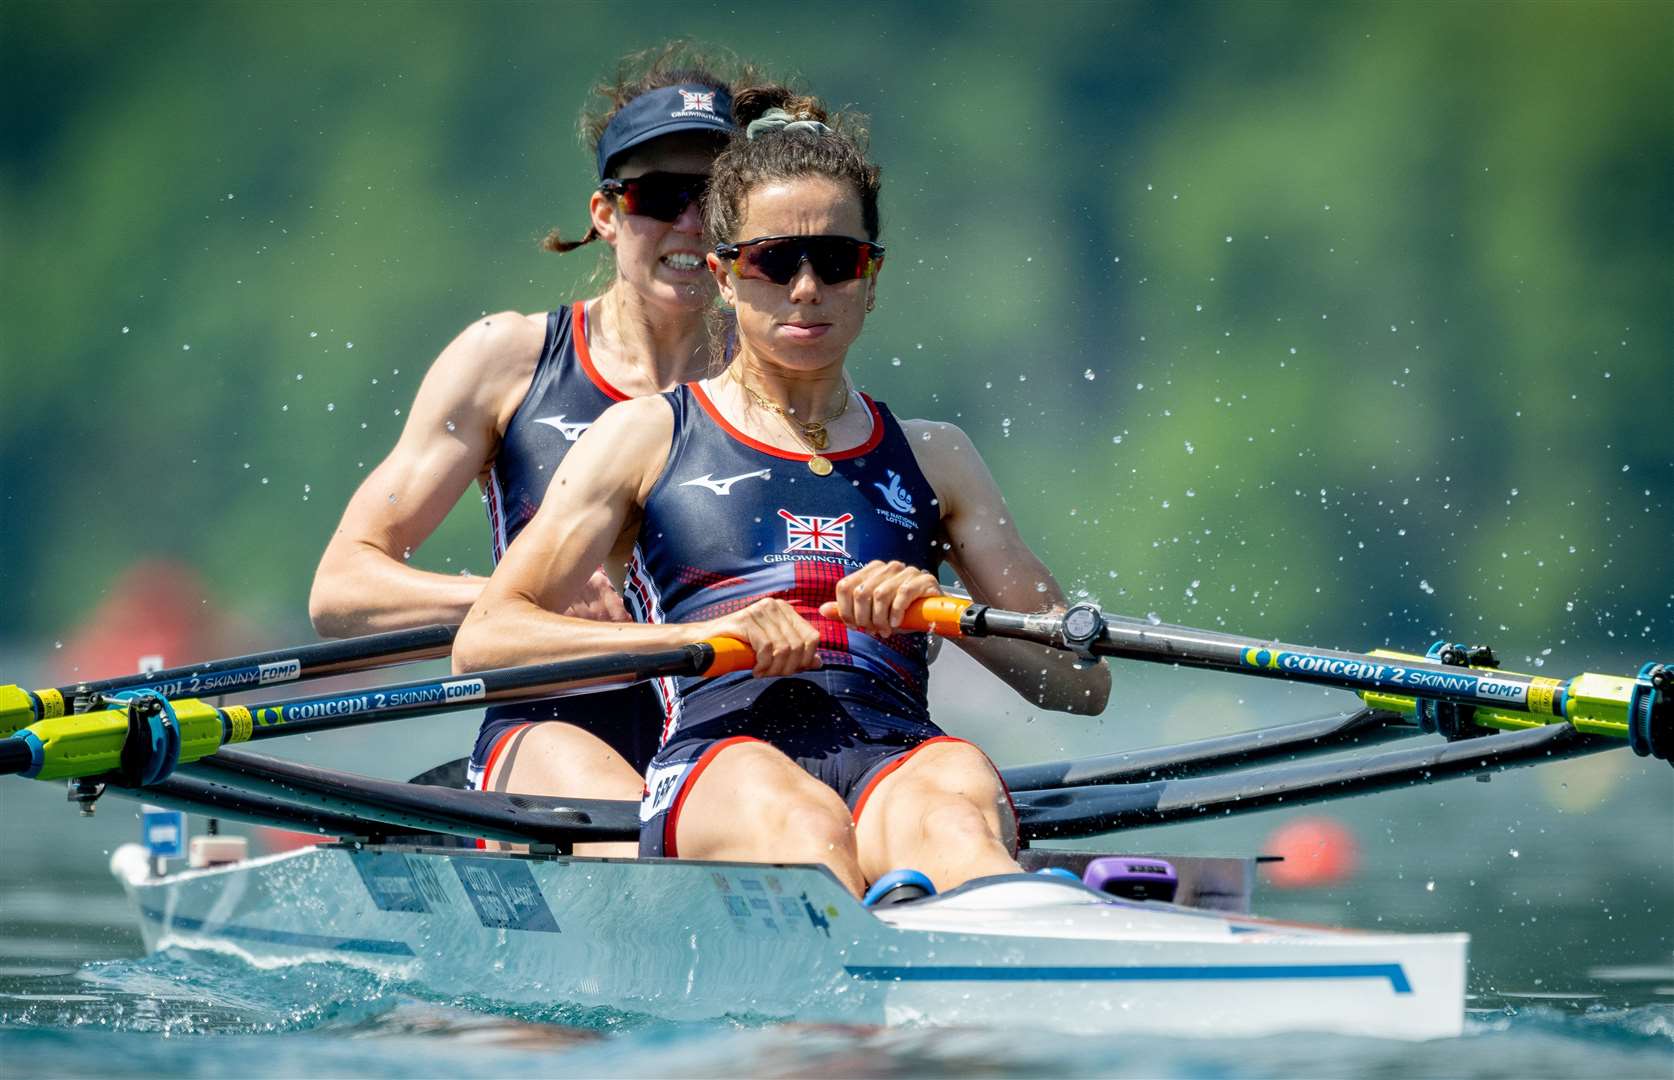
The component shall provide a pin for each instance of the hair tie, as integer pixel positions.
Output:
(780, 120)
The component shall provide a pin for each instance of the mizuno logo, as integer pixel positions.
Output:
(572, 432)
(896, 495)
(724, 485)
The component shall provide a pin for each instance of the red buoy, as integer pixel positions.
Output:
(1317, 851)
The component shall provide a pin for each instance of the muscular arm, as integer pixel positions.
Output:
(993, 561)
(364, 583)
(592, 501)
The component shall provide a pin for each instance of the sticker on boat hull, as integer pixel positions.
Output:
(504, 893)
(390, 881)
(762, 904)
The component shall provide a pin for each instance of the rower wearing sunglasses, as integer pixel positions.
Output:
(507, 400)
(775, 503)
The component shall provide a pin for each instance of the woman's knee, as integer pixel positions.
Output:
(951, 818)
(819, 827)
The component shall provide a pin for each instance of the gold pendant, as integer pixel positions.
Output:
(816, 435)
(819, 466)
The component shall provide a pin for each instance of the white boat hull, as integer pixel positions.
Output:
(691, 941)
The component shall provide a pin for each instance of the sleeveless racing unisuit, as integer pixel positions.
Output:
(565, 396)
(732, 520)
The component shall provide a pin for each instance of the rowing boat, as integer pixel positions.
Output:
(691, 940)
(701, 941)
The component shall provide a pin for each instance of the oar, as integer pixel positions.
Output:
(1638, 708)
(20, 707)
(147, 735)
(145, 738)
(1093, 810)
(1219, 753)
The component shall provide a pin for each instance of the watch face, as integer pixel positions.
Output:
(1080, 623)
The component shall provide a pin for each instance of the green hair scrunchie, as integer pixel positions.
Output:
(780, 120)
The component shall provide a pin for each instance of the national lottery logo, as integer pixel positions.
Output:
(827, 535)
(894, 494)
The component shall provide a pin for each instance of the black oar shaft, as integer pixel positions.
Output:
(1139, 639)
(323, 712)
(277, 666)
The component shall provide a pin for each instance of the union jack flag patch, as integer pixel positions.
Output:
(697, 100)
(812, 533)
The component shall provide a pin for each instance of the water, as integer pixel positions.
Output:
(1577, 982)
(175, 1014)
(1562, 874)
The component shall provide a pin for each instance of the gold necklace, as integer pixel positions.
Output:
(812, 432)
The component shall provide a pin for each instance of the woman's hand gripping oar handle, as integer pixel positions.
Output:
(933, 614)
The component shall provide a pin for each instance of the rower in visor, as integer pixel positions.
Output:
(775, 503)
(509, 398)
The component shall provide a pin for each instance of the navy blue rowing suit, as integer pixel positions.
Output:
(566, 395)
(732, 520)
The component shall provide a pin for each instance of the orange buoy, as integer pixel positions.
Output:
(1317, 851)
(274, 840)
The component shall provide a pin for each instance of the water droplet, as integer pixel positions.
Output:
(124, 329)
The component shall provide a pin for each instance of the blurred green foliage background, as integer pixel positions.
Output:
(1347, 322)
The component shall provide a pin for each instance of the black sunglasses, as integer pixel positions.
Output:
(659, 195)
(835, 259)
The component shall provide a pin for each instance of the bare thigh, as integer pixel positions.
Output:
(754, 804)
(554, 758)
(943, 812)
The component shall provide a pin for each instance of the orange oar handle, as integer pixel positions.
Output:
(730, 655)
(938, 614)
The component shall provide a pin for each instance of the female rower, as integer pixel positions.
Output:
(507, 399)
(775, 504)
